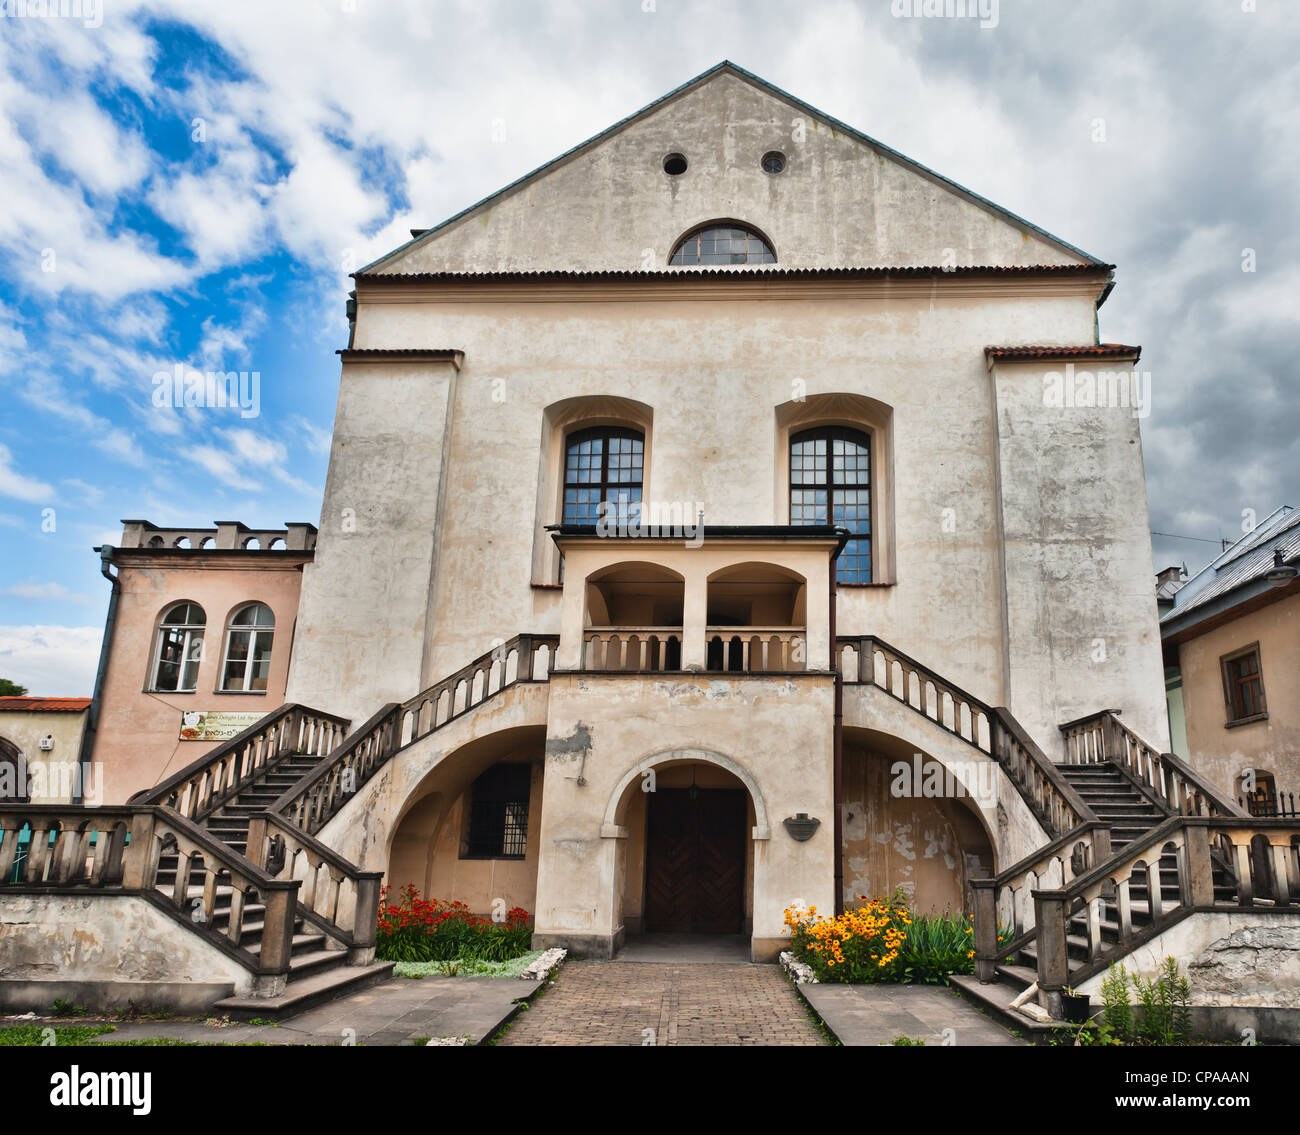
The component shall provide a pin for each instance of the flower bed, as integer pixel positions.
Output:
(882, 941)
(430, 930)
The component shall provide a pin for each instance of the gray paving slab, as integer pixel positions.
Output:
(872, 1015)
(393, 1013)
(686, 949)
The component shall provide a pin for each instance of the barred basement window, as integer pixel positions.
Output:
(498, 813)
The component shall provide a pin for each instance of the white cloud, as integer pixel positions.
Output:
(20, 487)
(51, 661)
(49, 590)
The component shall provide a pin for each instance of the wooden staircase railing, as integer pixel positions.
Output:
(314, 800)
(116, 850)
(1103, 736)
(1265, 881)
(993, 732)
(202, 786)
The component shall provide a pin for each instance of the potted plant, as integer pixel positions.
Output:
(1075, 1007)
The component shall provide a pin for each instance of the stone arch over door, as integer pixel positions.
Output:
(685, 857)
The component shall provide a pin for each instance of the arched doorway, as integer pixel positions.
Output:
(687, 864)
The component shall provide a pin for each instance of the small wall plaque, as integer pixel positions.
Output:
(802, 826)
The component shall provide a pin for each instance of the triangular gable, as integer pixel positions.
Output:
(522, 226)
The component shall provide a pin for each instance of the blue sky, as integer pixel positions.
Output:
(189, 184)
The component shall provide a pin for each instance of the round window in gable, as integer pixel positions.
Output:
(773, 162)
(675, 165)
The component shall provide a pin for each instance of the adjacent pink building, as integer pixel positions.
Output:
(196, 645)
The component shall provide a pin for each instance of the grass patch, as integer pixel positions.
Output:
(467, 967)
(33, 1036)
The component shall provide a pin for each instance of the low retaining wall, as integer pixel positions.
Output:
(104, 951)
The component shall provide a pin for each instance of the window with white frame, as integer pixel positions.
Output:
(247, 664)
(180, 649)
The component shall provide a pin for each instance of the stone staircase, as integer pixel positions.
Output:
(318, 965)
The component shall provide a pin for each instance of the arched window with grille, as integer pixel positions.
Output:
(179, 650)
(722, 243)
(602, 465)
(246, 666)
(830, 483)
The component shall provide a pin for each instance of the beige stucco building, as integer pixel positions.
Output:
(787, 459)
(40, 747)
(1232, 656)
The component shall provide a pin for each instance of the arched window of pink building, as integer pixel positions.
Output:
(247, 664)
(179, 650)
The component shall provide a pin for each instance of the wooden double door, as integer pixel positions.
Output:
(695, 860)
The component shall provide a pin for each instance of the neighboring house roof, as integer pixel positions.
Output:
(1169, 588)
(1237, 574)
(43, 705)
(1097, 351)
(726, 66)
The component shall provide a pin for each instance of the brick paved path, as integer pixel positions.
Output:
(608, 1003)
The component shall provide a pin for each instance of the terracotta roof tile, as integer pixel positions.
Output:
(43, 705)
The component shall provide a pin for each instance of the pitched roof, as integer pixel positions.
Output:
(43, 705)
(726, 66)
(1240, 567)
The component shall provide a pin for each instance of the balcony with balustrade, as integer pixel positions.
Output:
(734, 601)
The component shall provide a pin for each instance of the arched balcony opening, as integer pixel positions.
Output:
(757, 619)
(634, 618)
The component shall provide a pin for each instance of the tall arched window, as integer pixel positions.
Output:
(247, 664)
(723, 244)
(602, 464)
(830, 483)
(180, 649)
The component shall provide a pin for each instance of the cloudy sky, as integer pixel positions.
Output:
(188, 183)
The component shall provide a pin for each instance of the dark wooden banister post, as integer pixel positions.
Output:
(986, 929)
(365, 921)
(138, 853)
(1198, 865)
(277, 935)
(255, 849)
(524, 668)
(1050, 910)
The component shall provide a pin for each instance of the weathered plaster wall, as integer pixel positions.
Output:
(838, 201)
(775, 733)
(1082, 629)
(916, 349)
(365, 610)
(915, 842)
(48, 941)
(51, 777)
(138, 740)
(1230, 959)
(884, 723)
(1272, 745)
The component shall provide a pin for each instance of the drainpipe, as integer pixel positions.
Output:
(92, 716)
(838, 735)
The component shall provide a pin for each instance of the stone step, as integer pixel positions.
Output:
(995, 999)
(303, 993)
